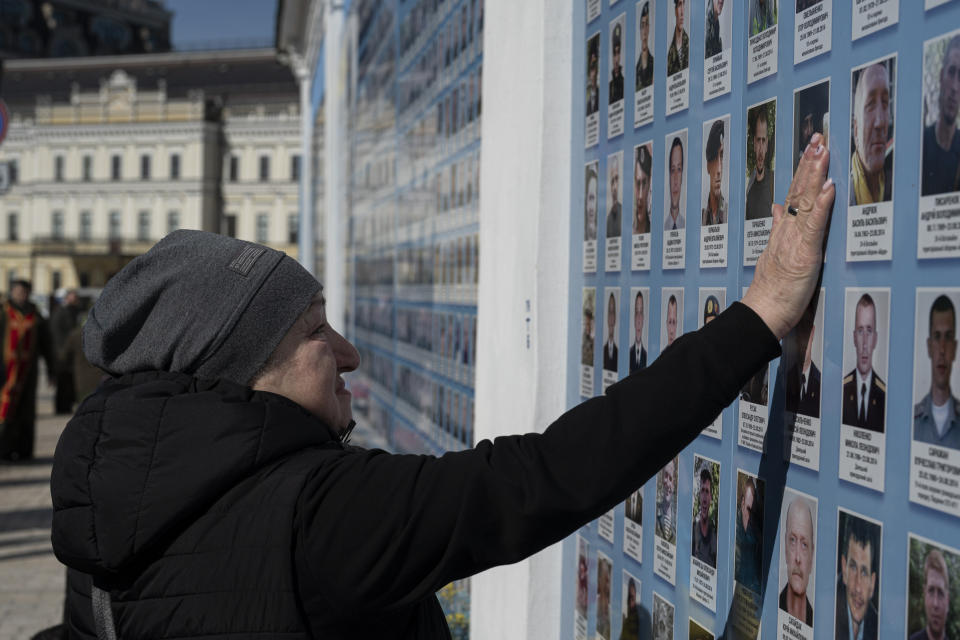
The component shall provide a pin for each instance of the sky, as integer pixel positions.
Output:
(218, 23)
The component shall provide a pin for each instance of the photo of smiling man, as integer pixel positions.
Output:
(858, 577)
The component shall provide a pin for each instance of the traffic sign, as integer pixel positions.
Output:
(4, 120)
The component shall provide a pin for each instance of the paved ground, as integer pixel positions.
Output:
(31, 578)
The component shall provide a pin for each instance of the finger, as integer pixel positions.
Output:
(818, 217)
(778, 211)
(809, 183)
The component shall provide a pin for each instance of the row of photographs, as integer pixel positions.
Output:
(813, 37)
(859, 551)
(935, 419)
(869, 221)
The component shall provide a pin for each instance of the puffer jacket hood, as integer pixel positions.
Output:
(150, 451)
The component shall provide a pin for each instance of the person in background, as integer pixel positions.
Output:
(26, 339)
(62, 323)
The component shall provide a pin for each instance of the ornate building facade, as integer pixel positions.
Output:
(107, 155)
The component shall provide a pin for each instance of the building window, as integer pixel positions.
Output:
(115, 167)
(56, 225)
(86, 225)
(113, 230)
(144, 167)
(294, 168)
(264, 168)
(234, 168)
(58, 163)
(174, 166)
(13, 227)
(229, 226)
(87, 168)
(13, 171)
(173, 221)
(143, 226)
(263, 227)
(293, 228)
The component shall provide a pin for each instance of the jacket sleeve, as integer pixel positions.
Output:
(380, 531)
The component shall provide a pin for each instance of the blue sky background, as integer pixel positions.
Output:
(202, 24)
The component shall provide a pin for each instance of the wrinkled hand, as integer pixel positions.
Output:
(789, 267)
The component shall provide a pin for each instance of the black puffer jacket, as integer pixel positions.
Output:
(209, 510)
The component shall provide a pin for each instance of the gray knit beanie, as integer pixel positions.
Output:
(197, 303)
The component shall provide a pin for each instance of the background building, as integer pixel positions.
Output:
(108, 154)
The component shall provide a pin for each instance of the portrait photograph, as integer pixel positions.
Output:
(866, 337)
(748, 549)
(635, 623)
(763, 15)
(803, 5)
(591, 182)
(666, 516)
(611, 351)
(639, 328)
(936, 381)
(586, 349)
(633, 507)
(642, 191)
(811, 114)
(593, 71)
(675, 181)
(873, 90)
(678, 32)
(715, 171)
(859, 544)
(604, 588)
(761, 155)
(671, 315)
(706, 505)
(645, 44)
(940, 165)
(718, 26)
(802, 360)
(618, 40)
(933, 596)
(614, 208)
(798, 529)
(662, 618)
(698, 632)
(583, 575)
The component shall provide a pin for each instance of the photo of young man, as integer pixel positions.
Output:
(858, 559)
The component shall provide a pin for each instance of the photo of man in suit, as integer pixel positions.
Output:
(610, 351)
(864, 393)
(638, 354)
(613, 216)
(803, 378)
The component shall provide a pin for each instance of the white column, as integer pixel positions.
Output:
(306, 233)
(524, 275)
(336, 155)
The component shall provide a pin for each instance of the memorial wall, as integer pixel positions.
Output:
(825, 501)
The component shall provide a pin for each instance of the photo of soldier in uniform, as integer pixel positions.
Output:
(811, 114)
(748, 550)
(761, 152)
(936, 410)
(717, 180)
(645, 13)
(604, 579)
(933, 599)
(593, 70)
(642, 167)
(636, 620)
(940, 167)
(717, 28)
(590, 202)
(871, 129)
(662, 618)
(763, 15)
(706, 483)
(616, 66)
(858, 578)
(666, 520)
(678, 54)
(864, 390)
(798, 522)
